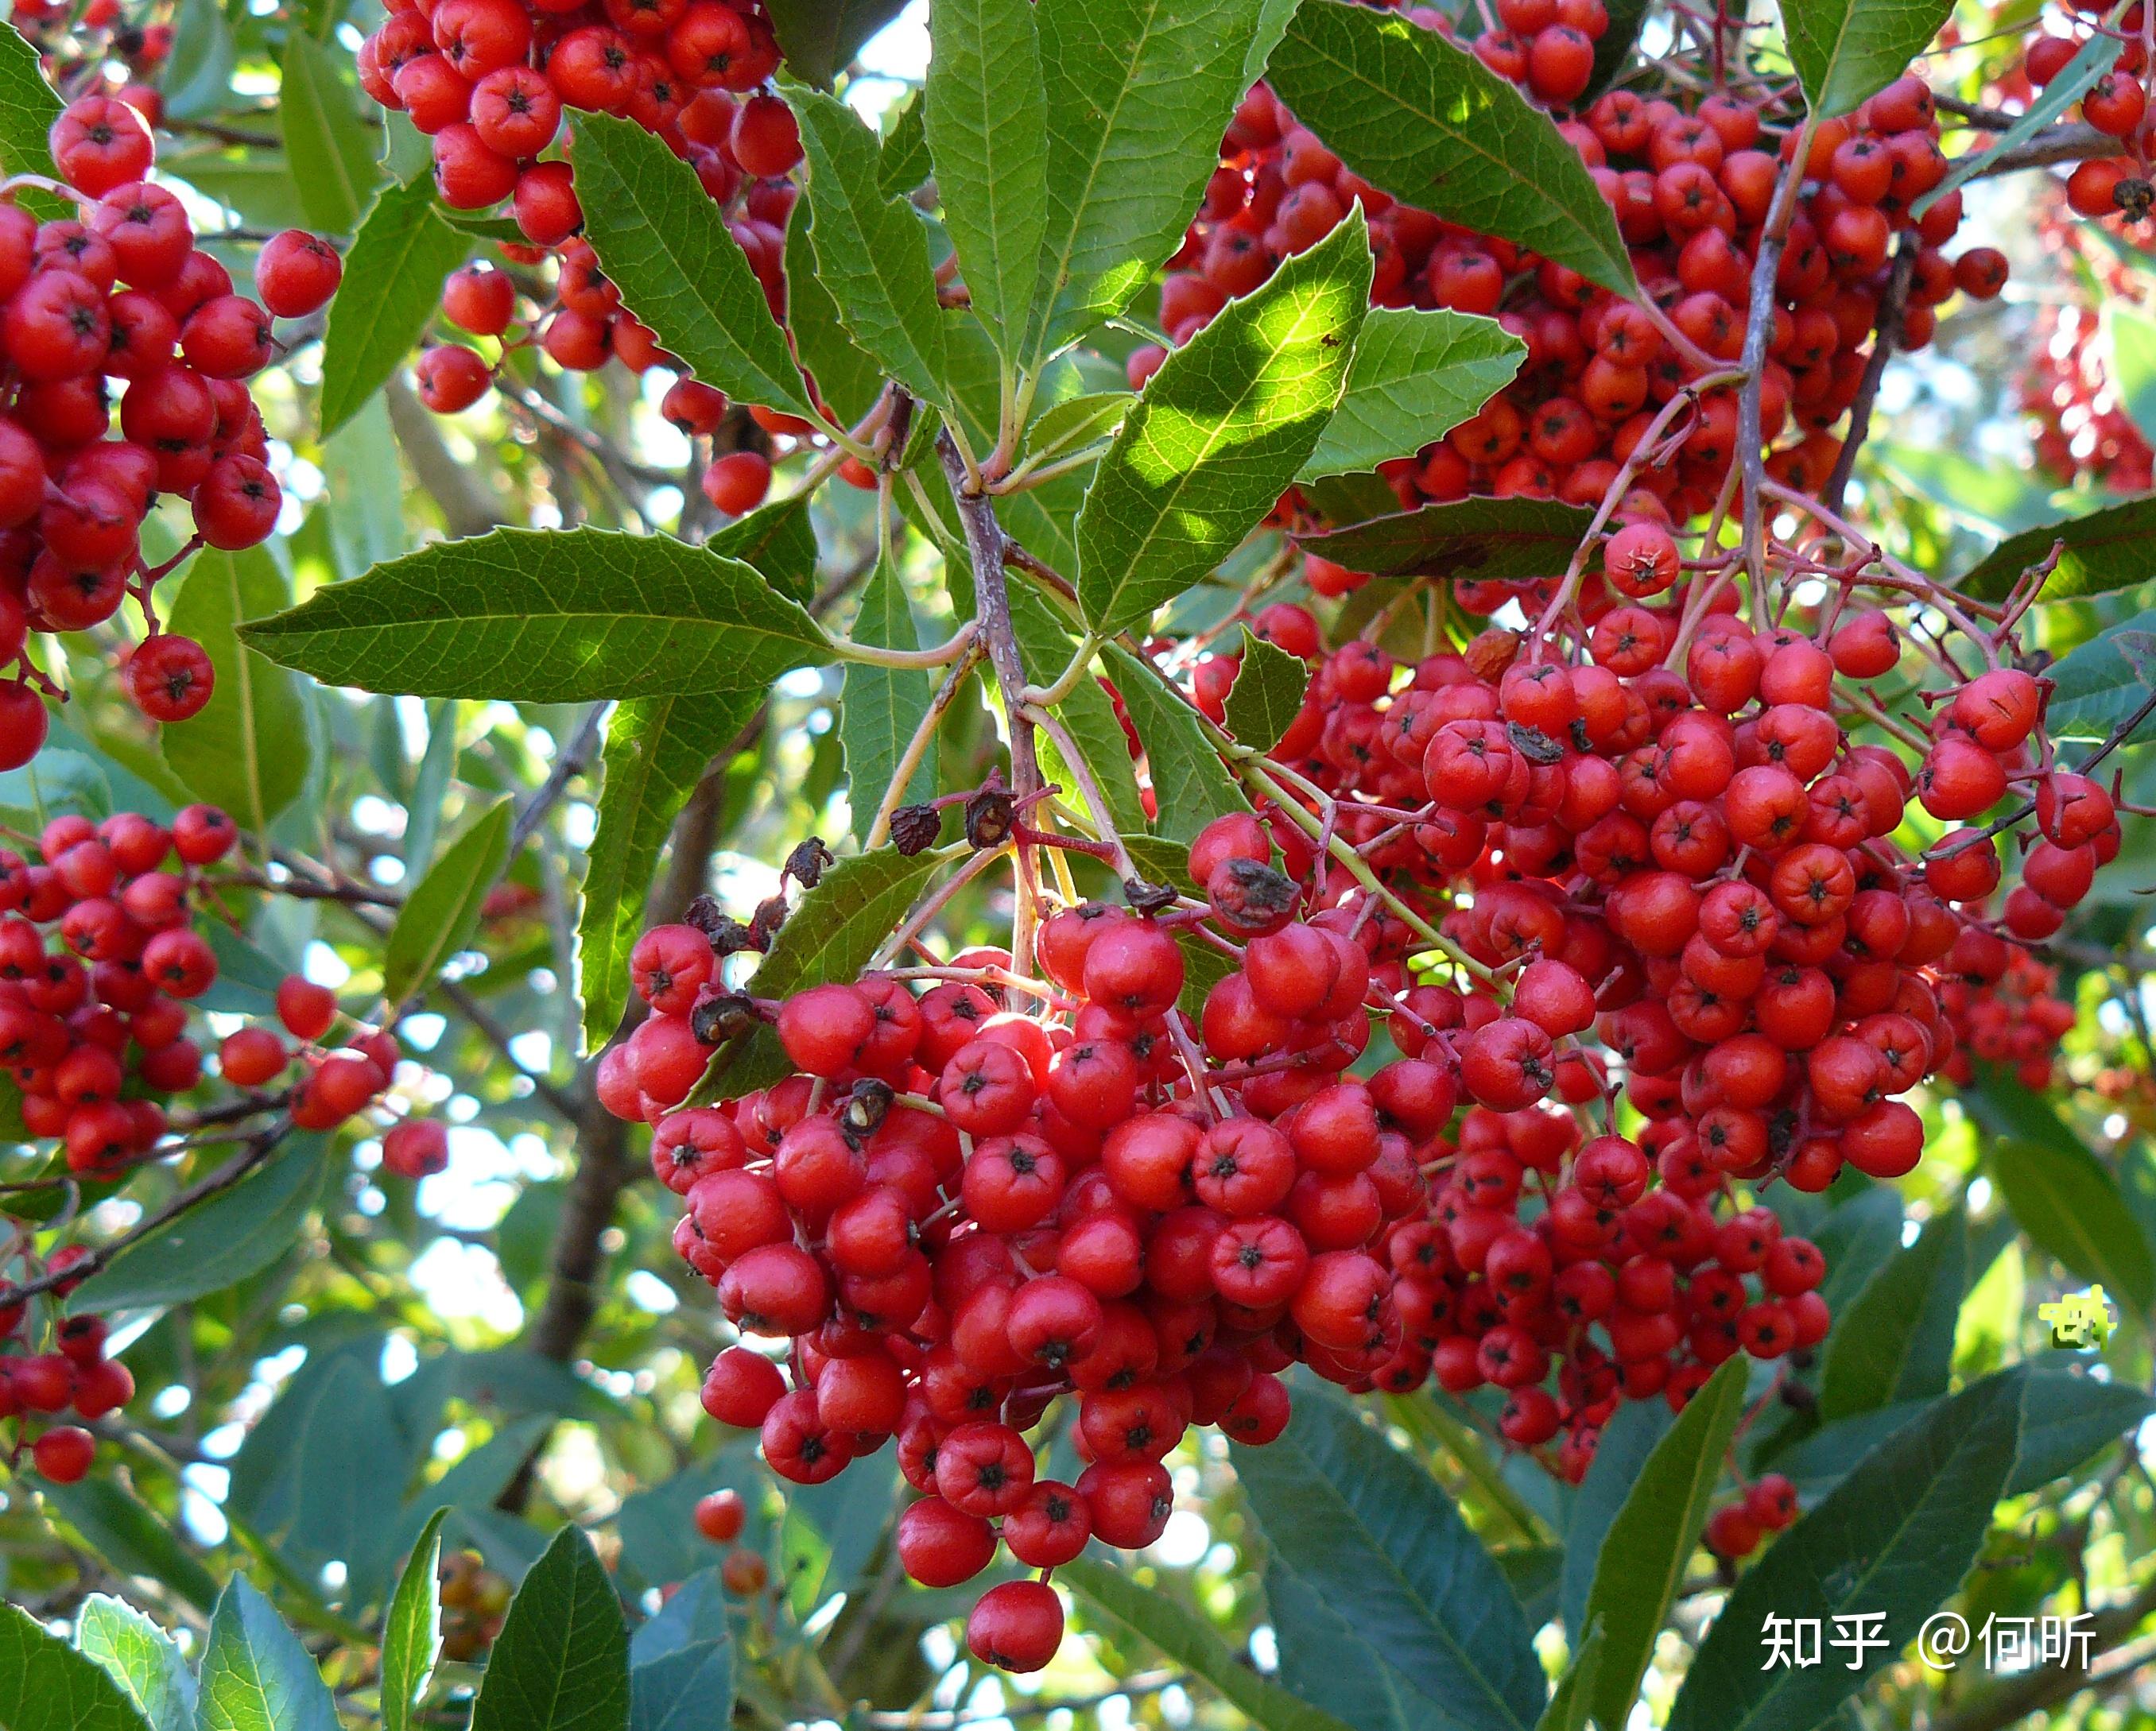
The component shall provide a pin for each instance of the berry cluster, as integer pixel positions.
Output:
(1692, 188)
(75, 1376)
(100, 962)
(121, 291)
(488, 81)
(1735, 1530)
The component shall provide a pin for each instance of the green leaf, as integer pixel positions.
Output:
(441, 913)
(412, 1629)
(1497, 538)
(1190, 785)
(2072, 1210)
(1896, 1341)
(872, 251)
(561, 1663)
(847, 379)
(255, 1675)
(882, 707)
(2105, 550)
(1369, 1530)
(680, 270)
(196, 81)
(1325, 1658)
(902, 158)
(833, 933)
(248, 750)
(548, 616)
(142, 1658)
(2066, 1416)
(1627, 1441)
(45, 1685)
(1643, 1556)
(337, 1474)
(1424, 120)
(1139, 93)
(1137, 1613)
(681, 1659)
(2094, 59)
(2069, 1203)
(1220, 432)
(1267, 694)
(689, 1689)
(1088, 713)
(130, 1537)
(1846, 50)
(330, 154)
(28, 107)
(657, 750)
(236, 1233)
(2099, 685)
(777, 539)
(988, 138)
(1573, 1699)
(1415, 376)
(1077, 422)
(363, 490)
(695, 1614)
(392, 287)
(820, 37)
(1895, 1537)
(51, 783)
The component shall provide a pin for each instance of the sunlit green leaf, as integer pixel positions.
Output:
(1845, 50)
(1268, 692)
(546, 616)
(142, 1658)
(985, 115)
(1415, 376)
(1139, 93)
(1421, 118)
(1190, 785)
(871, 250)
(882, 707)
(680, 270)
(255, 1675)
(1219, 431)
(657, 749)
(412, 1630)
(45, 1685)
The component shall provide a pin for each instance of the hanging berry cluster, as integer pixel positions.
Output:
(103, 956)
(121, 291)
(488, 80)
